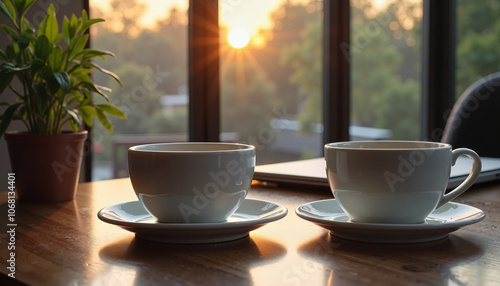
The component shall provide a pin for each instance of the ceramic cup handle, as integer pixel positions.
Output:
(476, 169)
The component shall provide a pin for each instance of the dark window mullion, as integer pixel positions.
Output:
(204, 85)
(438, 66)
(86, 170)
(336, 71)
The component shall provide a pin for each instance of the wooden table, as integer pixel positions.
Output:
(66, 244)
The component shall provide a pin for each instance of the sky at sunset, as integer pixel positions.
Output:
(247, 14)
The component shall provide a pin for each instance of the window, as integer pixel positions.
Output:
(311, 71)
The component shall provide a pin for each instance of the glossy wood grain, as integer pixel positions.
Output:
(66, 244)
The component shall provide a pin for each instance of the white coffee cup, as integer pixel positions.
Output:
(394, 181)
(191, 182)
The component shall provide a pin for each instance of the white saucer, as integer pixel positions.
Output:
(251, 215)
(450, 217)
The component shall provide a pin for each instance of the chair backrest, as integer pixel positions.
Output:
(474, 121)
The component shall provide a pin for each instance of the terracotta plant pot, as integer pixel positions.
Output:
(47, 167)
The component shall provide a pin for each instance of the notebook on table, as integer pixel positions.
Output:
(312, 172)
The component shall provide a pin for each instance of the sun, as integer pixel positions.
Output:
(238, 38)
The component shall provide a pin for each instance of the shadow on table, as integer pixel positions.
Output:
(405, 263)
(25, 216)
(197, 264)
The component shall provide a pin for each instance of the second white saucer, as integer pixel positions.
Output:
(251, 215)
(450, 217)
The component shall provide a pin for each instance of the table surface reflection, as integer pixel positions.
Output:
(66, 244)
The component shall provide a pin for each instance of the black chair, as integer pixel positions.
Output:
(474, 121)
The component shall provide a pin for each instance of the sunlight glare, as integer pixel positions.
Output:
(238, 38)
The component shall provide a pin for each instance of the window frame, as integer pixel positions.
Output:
(204, 73)
(438, 66)
(336, 71)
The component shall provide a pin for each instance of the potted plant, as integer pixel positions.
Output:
(49, 71)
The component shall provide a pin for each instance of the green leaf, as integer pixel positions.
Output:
(105, 71)
(89, 54)
(87, 24)
(5, 80)
(104, 120)
(84, 17)
(11, 9)
(7, 73)
(7, 117)
(20, 6)
(66, 35)
(104, 88)
(12, 33)
(73, 26)
(10, 67)
(72, 125)
(94, 88)
(71, 30)
(75, 116)
(78, 44)
(4, 9)
(10, 52)
(23, 5)
(62, 78)
(55, 59)
(82, 74)
(88, 113)
(42, 48)
(48, 26)
(112, 110)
